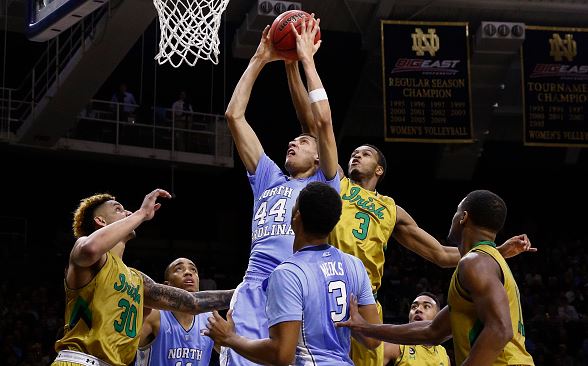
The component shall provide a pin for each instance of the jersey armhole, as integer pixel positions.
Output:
(460, 289)
(499, 266)
(93, 278)
(399, 358)
(393, 223)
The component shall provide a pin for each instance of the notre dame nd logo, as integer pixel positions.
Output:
(425, 42)
(561, 48)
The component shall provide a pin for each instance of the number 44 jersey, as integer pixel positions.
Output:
(102, 318)
(313, 286)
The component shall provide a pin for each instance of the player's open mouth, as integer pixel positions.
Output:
(418, 317)
(291, 152)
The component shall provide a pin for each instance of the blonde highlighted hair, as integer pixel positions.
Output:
(83, 220)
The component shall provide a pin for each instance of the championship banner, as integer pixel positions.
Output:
(426, 82)
(555, 86)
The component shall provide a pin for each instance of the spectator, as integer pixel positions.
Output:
(182, 119)
(565, 311)
(182, 109)
(126, 103)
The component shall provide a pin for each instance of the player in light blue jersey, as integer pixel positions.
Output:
(174, 338)
(274, 193)
(308, 294)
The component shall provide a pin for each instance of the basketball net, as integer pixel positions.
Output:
(189, 30)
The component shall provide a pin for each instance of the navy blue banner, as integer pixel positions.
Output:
(426, 82)
(555, 86)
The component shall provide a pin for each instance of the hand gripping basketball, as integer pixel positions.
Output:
(283, 38)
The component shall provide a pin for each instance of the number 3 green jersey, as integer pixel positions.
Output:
(366, 223)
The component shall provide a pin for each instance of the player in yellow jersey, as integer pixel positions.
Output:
(424, 307)
(484, 310)
(104, 297)
(369, 218)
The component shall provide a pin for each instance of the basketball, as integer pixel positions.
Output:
(282, 36)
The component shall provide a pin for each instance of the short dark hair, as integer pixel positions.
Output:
(167, 270)
(432, 296)
(307, 134)
(320, 208)
(381, 161)
(169, 267)
(485, 209)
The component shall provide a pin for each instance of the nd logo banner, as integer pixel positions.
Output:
(426, 82)
(563, 48)
(425, 42)
(554, 63)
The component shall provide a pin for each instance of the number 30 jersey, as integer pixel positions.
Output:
(366, 223)
(313, 286)
(104, 318)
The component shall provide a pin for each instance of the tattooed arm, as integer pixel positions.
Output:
(164, 297)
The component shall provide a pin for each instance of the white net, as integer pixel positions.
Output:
(189, 30)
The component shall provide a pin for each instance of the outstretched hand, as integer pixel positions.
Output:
(265, 50)
(150, 204)
(219, 329)
(355, 320)
(516, 245)
(305, 46)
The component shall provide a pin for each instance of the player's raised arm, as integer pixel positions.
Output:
(410, 235)
(165, 297)
(318, 97)
(246, 140)
(302, 103)
(300, 99)
(88, 250)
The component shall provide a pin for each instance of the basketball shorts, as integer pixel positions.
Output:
(362, 356)
(248, 304)
(75, 358)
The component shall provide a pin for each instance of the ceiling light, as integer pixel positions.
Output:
(517, 30)
(503, 30)
(490, 29)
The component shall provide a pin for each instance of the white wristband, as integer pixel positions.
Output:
(317, 95)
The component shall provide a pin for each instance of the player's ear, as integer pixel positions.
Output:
(464, 218)
(99, 220)
(295, 218)
(379, 171)
(296, 215)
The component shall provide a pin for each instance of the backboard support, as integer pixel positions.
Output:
(48, 18)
